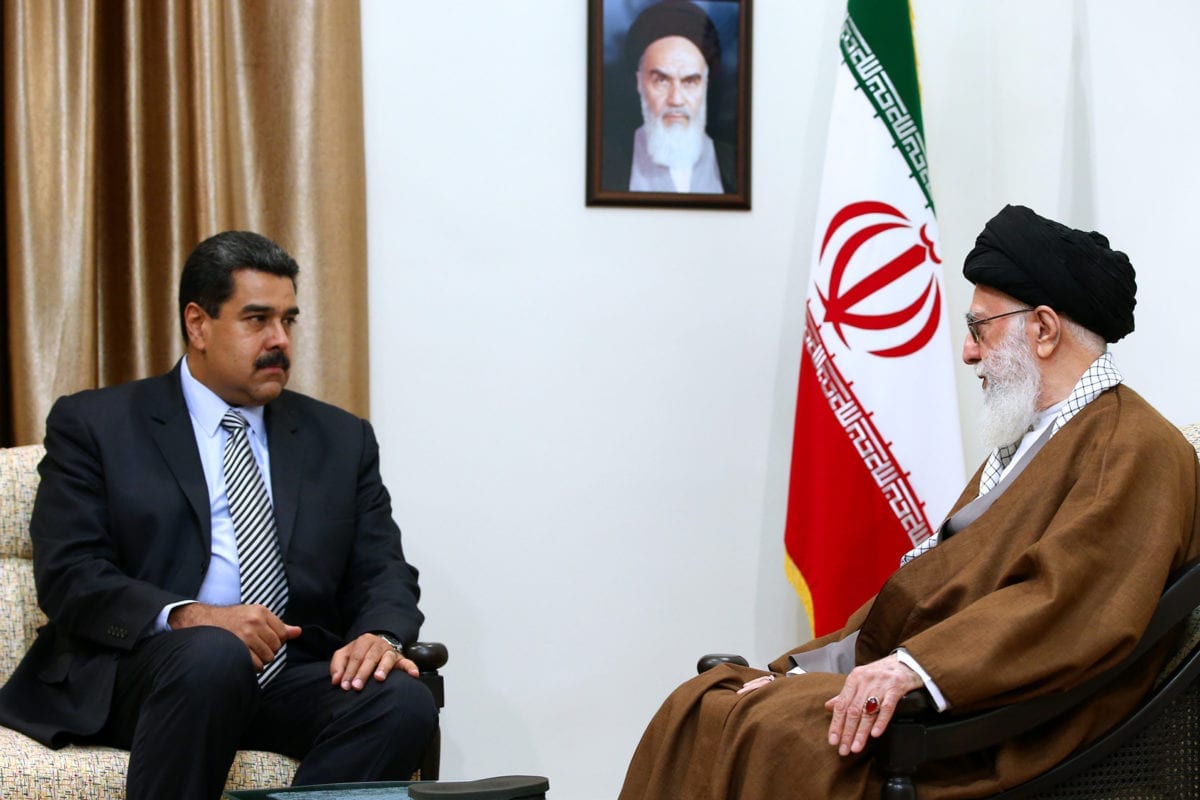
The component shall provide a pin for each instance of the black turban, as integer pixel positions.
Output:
(1043, 262)
(673, 18)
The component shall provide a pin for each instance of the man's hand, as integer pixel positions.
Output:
(262, 632)
(353, 664)
(885, 680)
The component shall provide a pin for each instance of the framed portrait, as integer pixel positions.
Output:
(669, 103)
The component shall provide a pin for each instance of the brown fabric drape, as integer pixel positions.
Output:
(135, 128)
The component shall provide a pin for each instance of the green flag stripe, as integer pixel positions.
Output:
(876, 84)
(887, 26)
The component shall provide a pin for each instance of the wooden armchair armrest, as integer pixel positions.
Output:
(429, 658)
(713, 659)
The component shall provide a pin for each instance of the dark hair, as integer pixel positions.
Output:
(207, 278)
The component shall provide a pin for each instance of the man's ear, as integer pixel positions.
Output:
(1049, 331)
(196, 319)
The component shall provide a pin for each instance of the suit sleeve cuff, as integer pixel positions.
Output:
(935, 693)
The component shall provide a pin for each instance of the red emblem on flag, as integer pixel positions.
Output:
(841, 301)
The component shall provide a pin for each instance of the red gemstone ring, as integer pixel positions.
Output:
(871, 706)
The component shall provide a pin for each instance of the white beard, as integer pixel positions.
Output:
(1010, 397)
(675, 146)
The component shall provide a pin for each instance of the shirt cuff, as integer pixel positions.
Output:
(907, 660)
(160, 624)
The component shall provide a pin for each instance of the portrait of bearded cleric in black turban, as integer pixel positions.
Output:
(668, 103)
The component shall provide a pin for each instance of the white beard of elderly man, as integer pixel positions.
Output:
(1010, 390)
(672, 83)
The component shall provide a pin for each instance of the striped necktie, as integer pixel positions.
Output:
(259, 562)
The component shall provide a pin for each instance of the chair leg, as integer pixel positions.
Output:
(431, 764)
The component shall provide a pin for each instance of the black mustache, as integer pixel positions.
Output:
(275, 358)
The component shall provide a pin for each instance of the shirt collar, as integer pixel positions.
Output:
(1045, 416)
(207, 409)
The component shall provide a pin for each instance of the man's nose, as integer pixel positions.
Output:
(278, 335)
(675, 95)
(970, 351)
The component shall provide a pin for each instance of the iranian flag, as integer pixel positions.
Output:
(876, 456)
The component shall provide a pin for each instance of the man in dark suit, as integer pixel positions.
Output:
(196, 608)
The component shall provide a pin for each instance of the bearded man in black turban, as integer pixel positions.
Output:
(671, 51)
(1087, 502)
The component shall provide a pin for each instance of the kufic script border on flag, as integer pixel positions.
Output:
(873, 80)
(856, 421)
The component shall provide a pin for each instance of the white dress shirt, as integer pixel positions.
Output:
(222, 582)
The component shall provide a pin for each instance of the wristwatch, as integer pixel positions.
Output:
(393, 642)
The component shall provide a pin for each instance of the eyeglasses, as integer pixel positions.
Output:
(972, 324)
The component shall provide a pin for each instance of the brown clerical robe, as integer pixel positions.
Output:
(1050, 586)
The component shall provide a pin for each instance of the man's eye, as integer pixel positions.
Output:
(290, 321)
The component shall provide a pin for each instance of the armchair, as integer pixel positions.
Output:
(1159, 761)
(30, 770)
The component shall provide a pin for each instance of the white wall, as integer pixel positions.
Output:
(585, 414)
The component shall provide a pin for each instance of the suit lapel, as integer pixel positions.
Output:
(177, 442)
(287, 458)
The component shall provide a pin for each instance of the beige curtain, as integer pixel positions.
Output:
(135, 128)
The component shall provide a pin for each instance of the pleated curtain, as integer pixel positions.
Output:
(135, 128)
